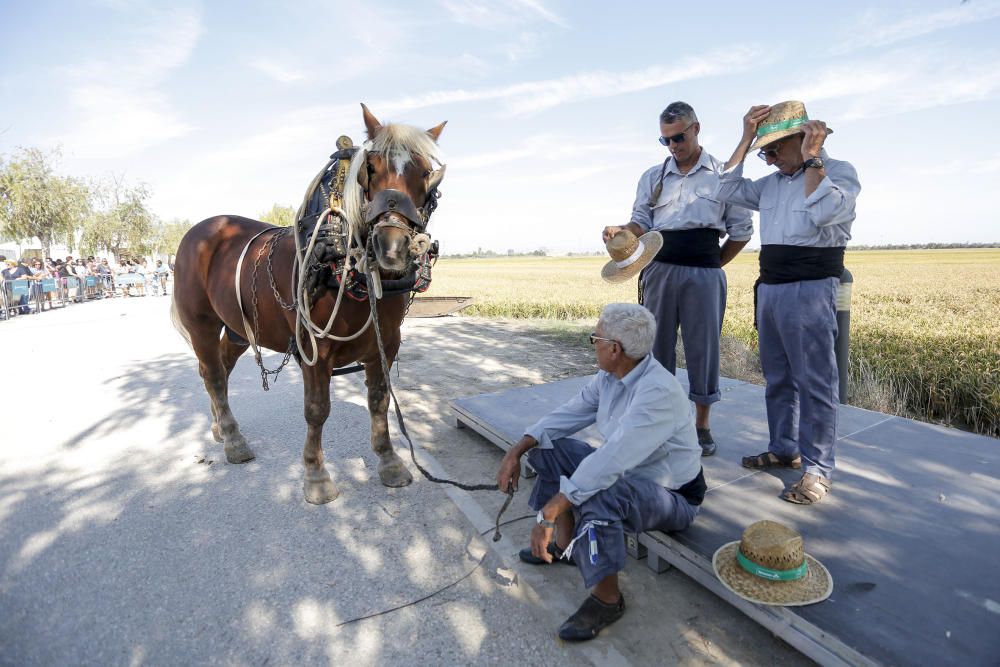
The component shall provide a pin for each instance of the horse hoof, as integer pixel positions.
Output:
(393, 472)
(320, 490)
(239, 453)
(217, 433)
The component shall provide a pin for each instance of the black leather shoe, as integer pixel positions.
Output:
(527, 557)
(592, 617)
(705, 440)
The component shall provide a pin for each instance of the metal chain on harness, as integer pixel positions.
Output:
(372, 278)
(264, 372)
(270, 275)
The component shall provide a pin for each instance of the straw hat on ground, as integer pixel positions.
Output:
(769, 566)
(782, 121)
(629, 254)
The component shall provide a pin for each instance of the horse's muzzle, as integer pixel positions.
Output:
(395, 244)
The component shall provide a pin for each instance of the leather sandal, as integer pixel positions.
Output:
(769, 460)
(808, 490)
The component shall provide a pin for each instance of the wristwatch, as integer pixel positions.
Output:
(543, 522)
(813, 162)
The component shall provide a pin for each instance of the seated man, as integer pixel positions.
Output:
(646, 475)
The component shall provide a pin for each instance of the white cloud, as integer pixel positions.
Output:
(534, 96)
(116, 105)
(499, 15)
(542, 11)
(903, 81)
(547, 147)
(277, 71)
(872, 31)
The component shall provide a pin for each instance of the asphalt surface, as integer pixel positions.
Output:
(127, 539)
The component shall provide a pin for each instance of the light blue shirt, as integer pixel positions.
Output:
(645, 421)
(787, 216)
(688, 201)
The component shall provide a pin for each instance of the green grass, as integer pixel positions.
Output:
(925, 323)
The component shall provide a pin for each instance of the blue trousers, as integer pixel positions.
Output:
(694, 299)
(631, 504)
(797, 327)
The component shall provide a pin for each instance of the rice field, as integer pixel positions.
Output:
(925, 324)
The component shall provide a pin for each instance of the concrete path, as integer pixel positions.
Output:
(126, 538)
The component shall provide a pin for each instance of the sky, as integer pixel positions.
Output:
(552, 105)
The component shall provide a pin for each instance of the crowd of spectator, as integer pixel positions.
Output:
(76, 281)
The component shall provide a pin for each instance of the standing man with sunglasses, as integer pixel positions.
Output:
(646, 475)
(686, 287)
(806, 210)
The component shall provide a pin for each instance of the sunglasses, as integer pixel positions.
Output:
(765, 153)
(594, 338)
(677, 138)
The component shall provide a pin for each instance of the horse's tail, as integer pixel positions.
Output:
(176, 319)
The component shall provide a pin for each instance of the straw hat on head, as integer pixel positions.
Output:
(782, 121)
(630, 255)
(770, 566)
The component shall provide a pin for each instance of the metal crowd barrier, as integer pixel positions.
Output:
(23, 296)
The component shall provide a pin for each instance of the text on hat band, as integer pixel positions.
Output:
(768, 573)
(780, 125)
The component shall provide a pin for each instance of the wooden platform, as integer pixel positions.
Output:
(910, 532)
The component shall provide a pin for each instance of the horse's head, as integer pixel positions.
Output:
(397, 191)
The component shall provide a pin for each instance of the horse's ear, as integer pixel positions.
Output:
(435, 131)
(371, 122)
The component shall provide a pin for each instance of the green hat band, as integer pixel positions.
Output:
(768, 573)
(781, 125)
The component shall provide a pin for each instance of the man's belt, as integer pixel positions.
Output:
(691, 247)
(790, 263)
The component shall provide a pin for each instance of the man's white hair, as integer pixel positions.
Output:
(631, 325)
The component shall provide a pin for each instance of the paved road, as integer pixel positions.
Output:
(125, 537)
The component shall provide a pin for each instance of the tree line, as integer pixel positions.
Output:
(90, 217)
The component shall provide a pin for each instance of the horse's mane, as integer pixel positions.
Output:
(397, 144)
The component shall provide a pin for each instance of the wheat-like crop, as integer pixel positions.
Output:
(925, 324)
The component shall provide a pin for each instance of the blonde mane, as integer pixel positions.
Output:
(397, 144)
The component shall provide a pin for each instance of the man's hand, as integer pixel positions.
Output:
(510, 471)
(753, 119)
(815, 134)
(540, 539)
(610, 231)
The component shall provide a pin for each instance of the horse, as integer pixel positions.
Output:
(223, 309)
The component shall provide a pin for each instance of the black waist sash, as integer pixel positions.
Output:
(790, 263)
(781, 264)
(694, 491)
(690, 247)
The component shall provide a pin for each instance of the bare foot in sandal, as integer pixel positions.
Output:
(770, 460)
(808, 490)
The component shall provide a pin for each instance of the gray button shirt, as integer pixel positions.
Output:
(787, 216)
(688, 201)
(645, 421)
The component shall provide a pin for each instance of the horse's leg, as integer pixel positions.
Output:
(391, 469)
(230, 352)
(213, 371)
(318, 486)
